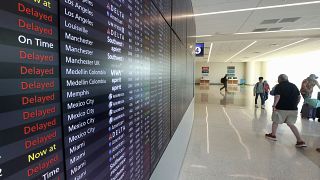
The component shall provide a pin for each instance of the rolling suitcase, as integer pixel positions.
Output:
(318, 109)
(308, 111)
(318, 114)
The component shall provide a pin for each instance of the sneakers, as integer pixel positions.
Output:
(262, 107)
(256, 106)
(271, 137)
(301, 144)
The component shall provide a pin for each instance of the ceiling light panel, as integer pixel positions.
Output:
(278, 49)
(211, 46)
(222, 50)
(256, 8)
(269, 44)
(275, 29)
(281, 31)
(264, 45)
(305, 47)
(260, 30)
(242, 50)
(296, 17)
(200, 6)
(227, 23)
(289, 20)
(270, 21)
(224, 23)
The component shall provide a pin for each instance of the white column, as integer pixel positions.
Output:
(250, 73)
(253, 72)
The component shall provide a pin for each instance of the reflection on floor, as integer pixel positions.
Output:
(227, 141)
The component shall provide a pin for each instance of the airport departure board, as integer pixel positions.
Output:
(91, 89)
(30, 131)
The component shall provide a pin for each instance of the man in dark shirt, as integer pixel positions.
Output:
(285, 110)
(224, 80)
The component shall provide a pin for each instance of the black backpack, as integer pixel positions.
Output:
(222, 80)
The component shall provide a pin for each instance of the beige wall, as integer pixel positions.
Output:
(218, 70)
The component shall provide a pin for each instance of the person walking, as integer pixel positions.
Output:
(224, 80)
(266, 88)
(307, 86)
(258, 90)
(285, 110)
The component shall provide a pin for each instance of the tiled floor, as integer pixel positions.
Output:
(227, 141)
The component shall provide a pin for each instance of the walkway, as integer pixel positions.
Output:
(227, 141)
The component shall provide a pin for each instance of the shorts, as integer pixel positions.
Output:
(284, 116)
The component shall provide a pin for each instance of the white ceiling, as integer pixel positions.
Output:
(224, 26)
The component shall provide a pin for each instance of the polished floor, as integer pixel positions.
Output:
(227, 141)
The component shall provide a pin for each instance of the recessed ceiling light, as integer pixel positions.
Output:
(210, 51)
(200, 36)
(289, 20)
(275, 29)
(260, 30)
(281, 48)
(241, 51)
(263, 32)
(289, 30)
(270, 21)
(256, 8)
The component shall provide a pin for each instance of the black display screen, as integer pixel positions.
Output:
(178, 75)
(90, 88)
(164, 7)
(179, 19)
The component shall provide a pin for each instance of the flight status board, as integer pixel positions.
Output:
(115, 88)
(30, 131)
(88, 88)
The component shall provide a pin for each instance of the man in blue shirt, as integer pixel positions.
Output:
(258, 90)
(285, 110)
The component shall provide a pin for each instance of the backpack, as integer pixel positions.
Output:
(307, 86)
(222, 80)
(266, 87)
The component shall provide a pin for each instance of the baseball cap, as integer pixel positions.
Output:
(313, 76)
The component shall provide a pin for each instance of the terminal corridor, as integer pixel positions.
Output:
(227, 141)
